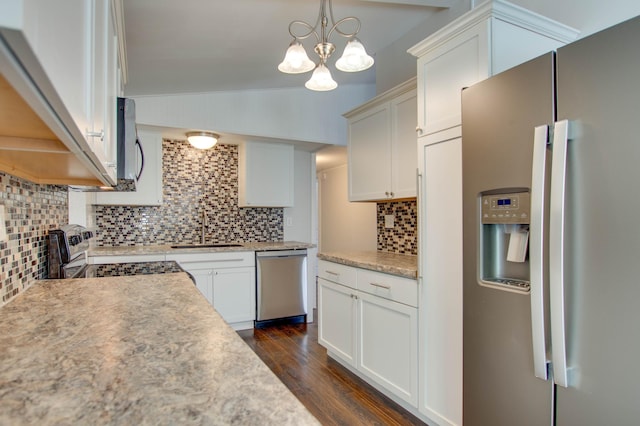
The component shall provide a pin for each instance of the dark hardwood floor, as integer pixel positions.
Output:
(329, 391)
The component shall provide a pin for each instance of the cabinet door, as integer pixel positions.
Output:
(441, 290)
(204, 281)
(388, 345)
(61, 34)
(369, 152)
(149, 187)
(234, 294)
(404, 161)
(265, 175)
(445, 71)
(337, 320)
(102, 136)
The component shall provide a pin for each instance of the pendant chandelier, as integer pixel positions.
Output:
(296, 61)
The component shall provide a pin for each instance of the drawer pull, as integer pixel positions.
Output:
(386, 287)
(335, 274)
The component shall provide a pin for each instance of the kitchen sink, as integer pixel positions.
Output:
(188, 246)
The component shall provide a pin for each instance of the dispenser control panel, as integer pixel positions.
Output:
(506, 208)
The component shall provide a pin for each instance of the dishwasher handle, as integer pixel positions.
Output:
(281, 253)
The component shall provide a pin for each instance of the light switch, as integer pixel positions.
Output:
(389, 220)
(3, 229)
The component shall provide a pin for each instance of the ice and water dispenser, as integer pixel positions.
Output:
(504, 240)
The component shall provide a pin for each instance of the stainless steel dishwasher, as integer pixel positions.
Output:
(281, 282)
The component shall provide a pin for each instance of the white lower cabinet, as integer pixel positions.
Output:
(388, 345)
(337, 320)
(227, 281)
(371, 333)
(234, 294)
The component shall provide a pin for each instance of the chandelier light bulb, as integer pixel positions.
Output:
(354, 58)
(321, 79)
(296, 60)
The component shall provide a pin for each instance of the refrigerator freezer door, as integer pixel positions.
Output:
(598, 90)
(499, 116)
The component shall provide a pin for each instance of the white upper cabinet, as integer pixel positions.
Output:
(61, 36)
(382, 146)
(265, 175)
(62, 59)
(491, 38)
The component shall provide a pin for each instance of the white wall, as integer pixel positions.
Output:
(300, 221)
(294, 114)
(343, 226)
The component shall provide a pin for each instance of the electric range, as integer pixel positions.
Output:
(67, 257)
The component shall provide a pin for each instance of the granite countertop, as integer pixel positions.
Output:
(166, 248)
(404, 265)
(132, 350)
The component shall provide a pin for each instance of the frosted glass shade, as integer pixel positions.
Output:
(202, 140)
(321, 79)
(354, 58)
(296, 60)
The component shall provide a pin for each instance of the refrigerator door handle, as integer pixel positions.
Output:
(536, 251)
(556, 252)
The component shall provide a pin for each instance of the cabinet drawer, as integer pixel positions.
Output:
(230, 259)
(103, 259)
(337, 273)
(399, 289)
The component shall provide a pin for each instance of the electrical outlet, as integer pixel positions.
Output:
(3, 229)
(289, 221)
(389, 220)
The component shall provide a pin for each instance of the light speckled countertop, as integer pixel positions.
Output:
(404, 265)
(146, 349)
(165, 249)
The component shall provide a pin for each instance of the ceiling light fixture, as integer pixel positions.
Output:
(202, 140)
(296, 61)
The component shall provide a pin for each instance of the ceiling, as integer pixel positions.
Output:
(193, 46)
(187, 46)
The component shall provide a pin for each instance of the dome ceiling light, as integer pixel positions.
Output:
(202, 140)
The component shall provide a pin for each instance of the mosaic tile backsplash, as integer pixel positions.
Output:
(403, 237)
(31, 211)
(197, 184)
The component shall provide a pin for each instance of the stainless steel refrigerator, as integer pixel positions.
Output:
(551, 193)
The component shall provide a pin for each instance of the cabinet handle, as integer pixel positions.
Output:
(99, 134)
(386, 193)
(335, 274)
(353, 296)
(418, 129)
(386, 287)
(391, 194)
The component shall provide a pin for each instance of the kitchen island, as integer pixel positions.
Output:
(131, 350)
